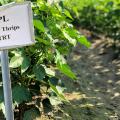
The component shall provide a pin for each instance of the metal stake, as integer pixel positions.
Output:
(7, 85)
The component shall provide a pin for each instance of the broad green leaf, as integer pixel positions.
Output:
(70, 39)
(39, 25)
(21, 94)
(64, 68)
(54, 31)
(42, 5)
(39, 72)
(72, 32)
(16, 61)
(25, 64)
(67, 13)
(31, 114)
(17, 52)
(84, 41)
(59, 58)
(46, 42)
(59, 94)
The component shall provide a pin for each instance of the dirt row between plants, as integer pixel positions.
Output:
(96, 93)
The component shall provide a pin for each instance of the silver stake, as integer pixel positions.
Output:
(7, 85)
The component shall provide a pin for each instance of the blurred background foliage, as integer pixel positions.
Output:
(102, 16)
(98, 16)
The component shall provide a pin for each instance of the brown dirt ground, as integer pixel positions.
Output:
(96, 93)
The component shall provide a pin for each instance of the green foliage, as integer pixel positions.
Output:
(39, 72)
(66, 70)
(21, 94)
(25, 64)
(55, 36)
(31, 114)
(84, 41)
(39, 25)
(16, 61)
(57, 91)
(101, 16)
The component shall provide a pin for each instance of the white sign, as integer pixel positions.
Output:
(16, 26)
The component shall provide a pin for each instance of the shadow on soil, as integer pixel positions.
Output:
(96, 93)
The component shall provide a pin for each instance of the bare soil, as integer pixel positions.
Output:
(96, 93)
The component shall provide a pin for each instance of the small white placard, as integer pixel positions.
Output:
(16, 26)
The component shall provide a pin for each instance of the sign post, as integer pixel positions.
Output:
(7, 85)
(16, 30)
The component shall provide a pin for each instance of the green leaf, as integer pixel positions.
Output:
(59, 94)
(31, 114)
(59, 58)
(39, 72)
(64, 68)
(46, 42)
(21, 94)
(39, 25)
(67, 13)
(72, 32)
(84, 41)
(70, 39)
(53, 29)
(17, 52)
(16, 61)
(25, 64)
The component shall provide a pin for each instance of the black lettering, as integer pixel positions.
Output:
(4, 19)
(5, 37)
(3, 28)
(1, 18)
(14, 28)
(8, 36)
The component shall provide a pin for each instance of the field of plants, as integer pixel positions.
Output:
(73, 70)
